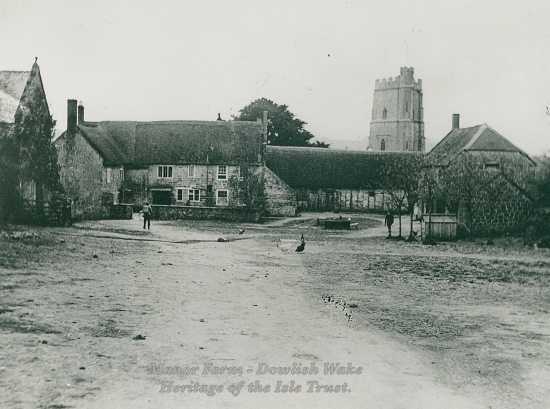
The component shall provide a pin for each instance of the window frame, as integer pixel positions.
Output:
(218, 197)
(189, 174)
(165, 172)
(179, 192)
(194, 195)
(224, 174)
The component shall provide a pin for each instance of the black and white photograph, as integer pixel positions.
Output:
(275, 204)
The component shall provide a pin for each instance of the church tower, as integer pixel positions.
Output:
(397, 114)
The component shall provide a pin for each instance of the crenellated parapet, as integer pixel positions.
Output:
(406, 79)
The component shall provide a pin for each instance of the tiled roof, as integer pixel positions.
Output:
(316, 168)
(12, 85)
(477, 138)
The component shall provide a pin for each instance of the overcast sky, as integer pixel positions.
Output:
(487, 60)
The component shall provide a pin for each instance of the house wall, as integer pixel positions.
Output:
(142, 182)
(514, 164)
(84, 177)
(281, 198)
(502, 209)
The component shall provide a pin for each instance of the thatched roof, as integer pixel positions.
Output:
(175, 142)
(319, 168)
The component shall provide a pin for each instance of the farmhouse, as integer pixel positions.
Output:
(486, 179)
(175, 165)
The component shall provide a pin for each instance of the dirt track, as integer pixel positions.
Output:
(427, 327)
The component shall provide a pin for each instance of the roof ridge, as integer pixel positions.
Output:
(475, 137)
(514, 145)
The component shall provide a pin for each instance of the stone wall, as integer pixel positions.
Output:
(142, 182)
(238, 214)
(281, 198)
(503, 208)
(81, 174)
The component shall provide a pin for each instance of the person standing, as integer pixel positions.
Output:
(147, 213)
(388, 221)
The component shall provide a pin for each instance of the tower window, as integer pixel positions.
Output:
(384, 113)
(383, 145)
(406, 146)
(407, 106)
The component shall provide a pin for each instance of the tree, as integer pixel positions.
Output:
(35, 156)
(250, 189)
(431, 191)
(283, 128)
(9, 182)
(399, 176)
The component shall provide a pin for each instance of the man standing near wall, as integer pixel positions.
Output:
(388, 221)
(147, 213)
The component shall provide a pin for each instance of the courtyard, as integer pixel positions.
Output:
(194, 314)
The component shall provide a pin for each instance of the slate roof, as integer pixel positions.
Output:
(320, 168)
(175, 142)
(478, 138)
(12, 85)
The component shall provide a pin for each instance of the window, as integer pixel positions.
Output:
(383, 145)
(194, 195)
(222, 172)
(372, 193)
(492, 166)
(407, 106)
(164, 172)
(222, 198)
(191, 171)
(180, 195)
(406, 146)
(109, 175)
(384, 113)
(121, 174)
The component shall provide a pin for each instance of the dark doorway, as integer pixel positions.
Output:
(329, 202)
(162, 197)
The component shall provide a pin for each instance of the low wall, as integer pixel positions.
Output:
(240, 214)
(121, 211)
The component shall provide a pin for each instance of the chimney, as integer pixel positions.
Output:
(71, 115)
(456, 121)
(219, 117)
(80, 113)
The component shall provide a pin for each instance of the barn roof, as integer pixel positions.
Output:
(481, 138)
(316, 168)
(12, 85)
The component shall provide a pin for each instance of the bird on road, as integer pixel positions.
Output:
(302, 245)
(241, 231)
